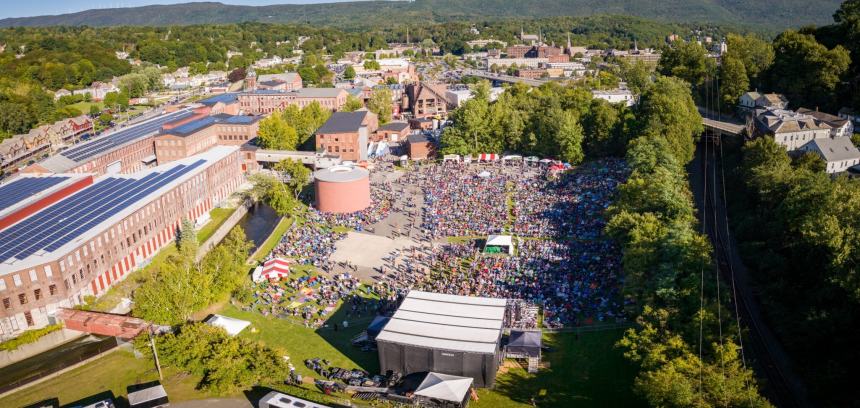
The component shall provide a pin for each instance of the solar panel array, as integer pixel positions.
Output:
(192, 126)
(25, 187)
(69, 218)
(110, 142)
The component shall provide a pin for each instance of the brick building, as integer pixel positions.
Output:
(421, 147)
(62, 253)
(425, 100)
(347, 134)
(265, 101)
(392, 132)
(204, 133)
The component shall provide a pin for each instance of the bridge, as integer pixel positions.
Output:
(503, 78)
(721, 125)
(313, 159)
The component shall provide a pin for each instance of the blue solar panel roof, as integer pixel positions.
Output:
(76, 214)
(22, 188)
(192, 126)
(102, 145)
(225, 98)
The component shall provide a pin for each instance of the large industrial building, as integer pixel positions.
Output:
(448, 334)
(66, 236)
(342, 189)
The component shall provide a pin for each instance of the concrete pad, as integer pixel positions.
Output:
(366, 251)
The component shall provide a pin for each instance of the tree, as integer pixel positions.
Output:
(667, 111)
(352, 104)
(105, 119)
(380, 104)
(688, 61)
(734, 81)
(806, 71)
(275, 133)
(349, 72)
(94, 110)
(569, 138)
(296, 176)
(600, 125)
(756, 55)
(237, 74)
(372, 65)
(637, 75)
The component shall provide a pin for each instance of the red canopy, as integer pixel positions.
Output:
(275, 269)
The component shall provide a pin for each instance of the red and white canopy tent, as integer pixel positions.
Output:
(488, 157)
(273, 269)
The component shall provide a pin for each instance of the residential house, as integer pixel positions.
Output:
(615, 96)
(97, 90)
(854, 117)
(791, 129)
(61, 93)
(425, 100)
(347, 134)
(840, 154)
(840, 127)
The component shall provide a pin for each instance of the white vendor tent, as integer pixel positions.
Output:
(484, 174)
(275, 269)
(451, 157)
(231, 325)
(505, 243)
(444, 387)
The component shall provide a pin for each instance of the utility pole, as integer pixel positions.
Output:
(155, 354)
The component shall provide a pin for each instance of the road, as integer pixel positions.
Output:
(761, 348)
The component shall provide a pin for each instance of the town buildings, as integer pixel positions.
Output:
(265, 101)
(615, 96)
(204, 133)
(425, 100)
(840, 127)
(790, 129)
(61, 253)
(20, 150)
(347, 134)
(839, 154)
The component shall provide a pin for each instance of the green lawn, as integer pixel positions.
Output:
(108, 375)
(583, 371)
(218, 216)
(302, 343)
(84, 107)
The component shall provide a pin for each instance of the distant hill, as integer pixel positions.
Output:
(763, 14)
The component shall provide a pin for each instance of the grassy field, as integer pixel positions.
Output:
(106, 376)
(84, 107)
(273, 239)
(218, 216)
(583, 371)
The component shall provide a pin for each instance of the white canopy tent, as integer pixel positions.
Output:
(484, 174)
(511, 157)
(451, 157)
(231, 325)
(505, 242)
(444, 387)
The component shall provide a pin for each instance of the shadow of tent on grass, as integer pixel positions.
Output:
(583, 370)
(340, 337)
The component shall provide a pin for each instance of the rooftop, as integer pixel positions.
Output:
(449, 322)
(83, 215)
(343, 122)
(395, 126)
(341, 174)
(202, 123)
(838, 149)
(83, 152)
(29, 188)
(229, 97)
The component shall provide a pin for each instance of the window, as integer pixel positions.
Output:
(52, 290)
(29, 318)
(22, 298)
(48, 272)
(33, 277)
(37, 294)
(6, 303)
(17, 279)
(2, 284)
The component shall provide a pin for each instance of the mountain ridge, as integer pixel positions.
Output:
(770, 14)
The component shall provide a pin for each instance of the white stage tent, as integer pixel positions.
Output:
(444, 387)
(505, 242)
(231, 325)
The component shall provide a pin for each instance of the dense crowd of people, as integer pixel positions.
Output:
(562, 264)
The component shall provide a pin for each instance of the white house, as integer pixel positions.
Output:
(841, 127)
(748, 100)
(791, 129)
(615, 96)
(840, 154)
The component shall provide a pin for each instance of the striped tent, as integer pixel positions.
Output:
(273, 269)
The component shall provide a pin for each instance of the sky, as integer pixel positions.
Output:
(17, 8)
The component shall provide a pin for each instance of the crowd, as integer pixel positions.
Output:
(562, 264)
(310, 298)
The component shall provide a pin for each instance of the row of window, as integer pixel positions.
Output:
(22, 297)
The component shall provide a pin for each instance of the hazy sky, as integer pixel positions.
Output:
(17, 8)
